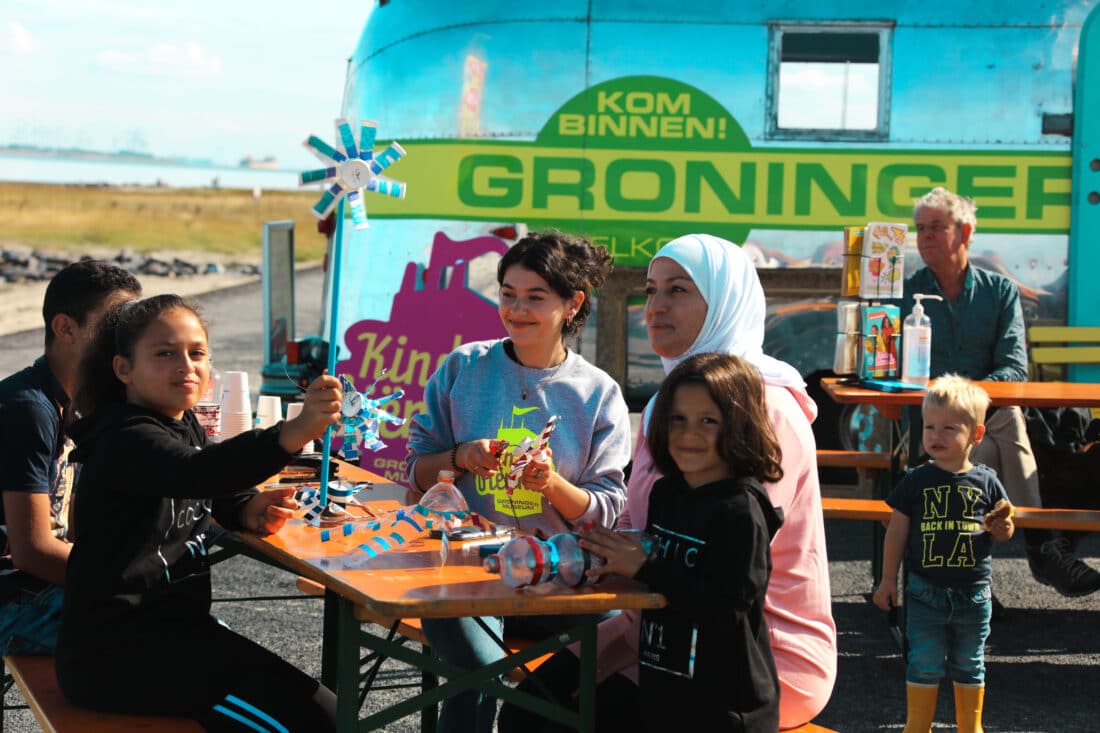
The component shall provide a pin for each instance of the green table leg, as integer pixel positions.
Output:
(328, 640)
(587, 702)
(347, 668)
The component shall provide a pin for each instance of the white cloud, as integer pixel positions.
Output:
(16, 39)
(818, 96)
(134, 65)
(185, 60)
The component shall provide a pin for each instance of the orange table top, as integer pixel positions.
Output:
(409, 581)
(1022, 394)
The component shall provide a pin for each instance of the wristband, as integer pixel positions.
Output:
(454, 463)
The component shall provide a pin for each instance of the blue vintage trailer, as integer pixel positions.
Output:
(773, 124)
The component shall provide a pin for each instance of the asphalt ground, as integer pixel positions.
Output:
(1042, 659)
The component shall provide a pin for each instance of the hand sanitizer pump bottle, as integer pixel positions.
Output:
(916, 336)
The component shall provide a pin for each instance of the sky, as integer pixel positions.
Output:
(213, 79)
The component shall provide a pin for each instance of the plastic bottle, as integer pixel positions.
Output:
(209, 410)
(445, 499)
(529, 561)
(524, 561)
(573, 560)
(916, 336)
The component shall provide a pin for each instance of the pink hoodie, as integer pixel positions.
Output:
(798, 605)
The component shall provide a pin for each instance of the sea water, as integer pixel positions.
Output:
(118, 172)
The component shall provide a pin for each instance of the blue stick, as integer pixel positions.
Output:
(334, 295)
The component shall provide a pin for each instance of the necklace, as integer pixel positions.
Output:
(553, 370)
(510, 349)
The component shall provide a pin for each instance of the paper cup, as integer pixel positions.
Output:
(236, 403)
(235, 423)
(269, 411)
(293, 410)
(234, 382)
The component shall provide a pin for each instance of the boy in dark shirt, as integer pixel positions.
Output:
(944, 524)
(35, 473)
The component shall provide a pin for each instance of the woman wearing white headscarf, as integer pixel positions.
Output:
(703, 295)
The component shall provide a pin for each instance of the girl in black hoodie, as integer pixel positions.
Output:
(136, 632)
(706, 657)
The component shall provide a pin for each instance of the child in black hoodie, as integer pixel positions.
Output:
(706, 657)
(136, 632)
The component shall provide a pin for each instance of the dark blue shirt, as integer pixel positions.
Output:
(947, 545)
(981, 335)
(34, 453)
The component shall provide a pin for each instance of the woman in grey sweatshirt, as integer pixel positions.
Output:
(507, 390)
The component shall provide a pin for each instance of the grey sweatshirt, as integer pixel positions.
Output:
(478, 393)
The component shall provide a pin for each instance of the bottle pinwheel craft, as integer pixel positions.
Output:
(352, 170)
(361, 417)
(527, 450)
(353, 539)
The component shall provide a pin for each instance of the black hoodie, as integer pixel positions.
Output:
(705, 659)
(142, 512)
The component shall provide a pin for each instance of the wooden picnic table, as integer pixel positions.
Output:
(1020, 394)
(891, 405)
(409, 581)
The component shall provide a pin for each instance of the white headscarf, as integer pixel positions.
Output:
(735, 305)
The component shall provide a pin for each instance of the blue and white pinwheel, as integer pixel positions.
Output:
(362, 416)
(352, 170)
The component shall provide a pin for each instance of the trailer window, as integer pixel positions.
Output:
(829, 83)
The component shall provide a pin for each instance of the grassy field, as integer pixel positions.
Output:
(223, 221)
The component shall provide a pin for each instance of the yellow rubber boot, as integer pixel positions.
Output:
(968, 707)
(921, 704)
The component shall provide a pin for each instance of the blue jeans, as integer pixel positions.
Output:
(462, 642)
(29, 621)
(946, 623)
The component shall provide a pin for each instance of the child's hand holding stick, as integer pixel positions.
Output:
(320, 408)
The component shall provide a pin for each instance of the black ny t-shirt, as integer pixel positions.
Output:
(948, 543)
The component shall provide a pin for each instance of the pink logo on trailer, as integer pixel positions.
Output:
(434, 311)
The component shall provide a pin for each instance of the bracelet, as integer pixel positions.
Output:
(454, 463)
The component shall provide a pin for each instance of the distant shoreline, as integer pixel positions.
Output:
(122, 156)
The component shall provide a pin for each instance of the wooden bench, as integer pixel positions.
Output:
(1063, 346)
(858, 459)
(37, 681)
(869, 465)
(876, 510)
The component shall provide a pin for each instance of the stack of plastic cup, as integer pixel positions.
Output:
(269, 411)
(236, 404)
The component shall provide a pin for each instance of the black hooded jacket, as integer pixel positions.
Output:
(148, 487)
(706, 659)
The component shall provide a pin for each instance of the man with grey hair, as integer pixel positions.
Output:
(978, 332)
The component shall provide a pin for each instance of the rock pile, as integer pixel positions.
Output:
(23, 266)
